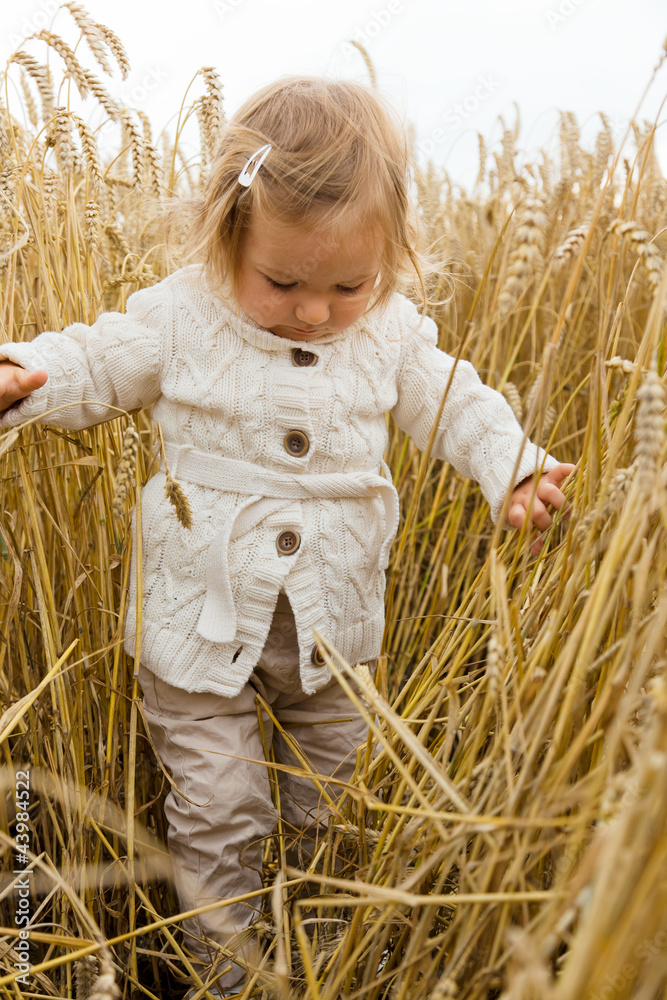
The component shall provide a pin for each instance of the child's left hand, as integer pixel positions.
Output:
(548, 492)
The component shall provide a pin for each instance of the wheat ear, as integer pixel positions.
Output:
(174, 491)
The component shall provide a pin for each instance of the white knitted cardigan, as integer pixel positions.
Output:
(227, 392)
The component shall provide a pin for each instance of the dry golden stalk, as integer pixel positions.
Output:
(525, 257)
(89, 146)
(506, 171)
(350, 830)
(368, 689)
(367, 61)
(174, 492)
(103, 96)
(647, 251)
(145, 276)
(569, 143)
(131, 135)
(105, 986)
(119, 245)
(118, 49)
(126, 468)
(445, 989)
(98, 36)
(544, 169)
(85, 974)
(177, 497)
(59, 135)
(625, 365)
(31, 107)
(481, 173)
(529, 975)
(513, 397)
(5, 147)
(40, 74)
(74, 68)
(91, 225)
(50, 188)
(495, 655)
(649, 429)
(619, 488)
(90, 31)
(152, 156)
(604, 150)
(212, 109)
(6, 167)
(570, 246)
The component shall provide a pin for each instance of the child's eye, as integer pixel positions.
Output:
(343, 289)
(277, 284)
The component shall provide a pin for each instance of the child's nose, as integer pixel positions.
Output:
(312, 311)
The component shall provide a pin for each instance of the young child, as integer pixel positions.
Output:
(271, 366)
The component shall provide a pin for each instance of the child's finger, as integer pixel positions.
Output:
(540, 516)
(28, 381)
(516, 515)
(16, 383)
(537, 546)
(549, 493)
(561, 472)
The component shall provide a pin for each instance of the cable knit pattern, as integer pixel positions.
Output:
(225, 386)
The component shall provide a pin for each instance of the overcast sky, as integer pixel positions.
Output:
(452, 68)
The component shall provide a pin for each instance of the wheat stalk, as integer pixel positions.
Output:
(174, 492)
(126, 468)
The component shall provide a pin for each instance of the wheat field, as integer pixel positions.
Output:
(505, 832)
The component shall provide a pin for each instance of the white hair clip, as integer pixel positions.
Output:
(245, 178)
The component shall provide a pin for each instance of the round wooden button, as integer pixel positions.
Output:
(296, 443)
(288, 542)
(303, 359)
(317, 657)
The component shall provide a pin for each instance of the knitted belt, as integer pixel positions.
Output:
(217, 621)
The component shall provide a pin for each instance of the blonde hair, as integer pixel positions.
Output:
(339, 157)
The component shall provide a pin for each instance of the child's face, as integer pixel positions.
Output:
(301, 282)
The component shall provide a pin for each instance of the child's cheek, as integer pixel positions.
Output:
(263, 309)
(355, 308)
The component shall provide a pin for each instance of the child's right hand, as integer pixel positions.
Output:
(16, 382)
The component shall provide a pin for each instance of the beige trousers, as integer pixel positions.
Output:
(216, 845)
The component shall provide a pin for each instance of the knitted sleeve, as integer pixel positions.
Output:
(114, 361)
(478, 432)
